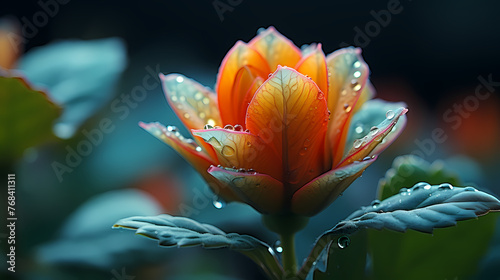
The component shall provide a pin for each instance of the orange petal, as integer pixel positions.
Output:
(276, 49)
(348, 74)
(11, 43)
(323, 190)
(290, 114)
(244, 87)
(367, 145)
(240, 149)
(240, 56)
(260, 191)
(314, 66)
(191, 152)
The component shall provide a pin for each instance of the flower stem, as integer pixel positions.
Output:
(288, 255)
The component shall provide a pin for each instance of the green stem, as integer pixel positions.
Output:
(288, 254)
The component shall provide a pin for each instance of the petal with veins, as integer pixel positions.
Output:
(365, 146)
(314, 66)
(276, 49)
(348, 74)
(194, 104)
(260, 191)
(240, 56)
(372, 113)
(289, 113)
(191, 153)
(323, 190)
(242, 150)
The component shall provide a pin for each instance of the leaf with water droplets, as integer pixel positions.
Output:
(171, 231)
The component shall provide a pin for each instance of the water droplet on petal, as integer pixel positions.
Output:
(198, 96)
(470, 189)
(207, 126)
(357, 74)
(389, 115)
(172, 128)
(403, 191)
(347, 108)
(373, 130)
(201, 115)
(198, 149)
(211, 122)
(357, 143)
(206, 101)
(186, 115)
(229, 127)
(238, 127)
(218, 202)
(355, 85)
(227, 151)
(179, 79)
(343, 242)
(343, 92)
(375, 203)
(356, 64)
(270, 74)
(424, 185)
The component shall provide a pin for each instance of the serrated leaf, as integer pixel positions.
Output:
(408, 170)
(26, 116)
(173, 231)
(421, 208)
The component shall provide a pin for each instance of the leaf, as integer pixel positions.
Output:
(173, 231)
(421, 208)
(80, 76)
(27, 115)
(408, 170)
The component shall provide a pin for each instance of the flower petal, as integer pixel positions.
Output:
(365, 146)
(244, 87)
(314, 66)
(367, 93)
(276, 49)
(192, 153)
(240, 56)
(348, 74)
(371, 114)
(323, 190)
(242, 150)
(289, 113)
(11, 43)
(260, 191)
(194, 104)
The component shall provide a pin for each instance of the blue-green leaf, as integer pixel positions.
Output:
(171, 231)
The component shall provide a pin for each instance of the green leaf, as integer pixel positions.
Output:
(408, 170)
(27, 116)
(421, 208)
(173, 231)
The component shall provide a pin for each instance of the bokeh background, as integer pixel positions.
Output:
(432, 55)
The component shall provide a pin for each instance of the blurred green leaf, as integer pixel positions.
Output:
(26, 115)
(408, 170)
(451, 253)
(173, 231)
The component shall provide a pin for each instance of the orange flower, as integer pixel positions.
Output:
(278, 134)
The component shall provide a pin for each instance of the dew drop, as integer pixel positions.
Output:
(375, 203)
(359, 129)
(201, 115)
(357, 74)
(343, 242)
(182, 98)
(227, 151)
(470, 189)
(424, 185)
(347, 108)
(357, 143)
(173, 98)
(356, 64)
(218, 202)
(179, 79)
(238, 127)
(270, 75)
(207, 126)
(373, 130)
(205, 100)
(211, 122)
(355, 85)
(198, 149)
(389, 115)
(198, 96)
(171, 128)
(343, 92)
(229, 127)
(249, 144)
(367, 158)
(277, 247)
(445, 186)
(186, 115)
(403, 191)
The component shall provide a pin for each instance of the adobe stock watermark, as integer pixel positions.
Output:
(31, 26)
(223, 6)
(122, 106)
(453, 116)
(381, 19)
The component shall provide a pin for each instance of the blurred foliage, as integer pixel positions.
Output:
(27, 116)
